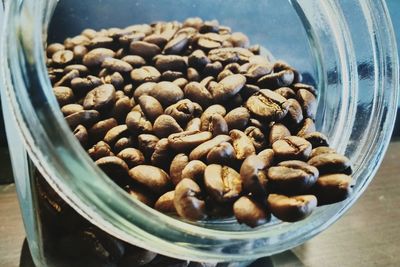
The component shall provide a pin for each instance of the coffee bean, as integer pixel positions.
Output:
(156, 39)
(144, 49)
(143, 89)
(166, 125)
(332, 188)
(218, 125)
(115, 79)
(254, 176)
(67, 78)
(322, 150)
(100, 150)
(194, 170)
(230, 55)
(212, 69)
(308, 103)
(185, 141)
(239, 39)
(122, 143)
(127, 39)
(69, 43)
(165, 203)
(53, 48)
(181, 82)
(83, 85)
(276, 80)
(147, 144)
(237, 118)
(95, 57)
(79, 52)
(278, 131)
(193, 75)
(330, 163)
(198, 93)
(100, 98)
(132, 156)
(145, 74)
(134, 61)
(162, 155)
(84, 117)
(250, 212)
(209, 26)
(136, 256)
(101, 42)
(71, 109)
(223, 153)
(228, 87)
(187, 200)
(282, 65)
(170, 63)
(177, 45)
(177, 165)
(81, 134)
(194, 22)
(141, 194)
(257, 137)
(267, 105)
(202, 150)
(153, 178)
(291, 209)
(222, 182)
(150, 106)
(64, 95)
(99, 129)
(295, 113)
(206, 117)
(242, 144)
(116, 133)
(316, 139)
(308, 127)
(167, 93)
(183, 111)
(143, 28)
(116, 65)
(198, 60)
(114, 167)
(193, 125)
(297, 86)
(62, 57)
(121, 108)
(170, 76)
(286, 92)
(267, 155)
(137, 123)
(82, 69)
(292, 147)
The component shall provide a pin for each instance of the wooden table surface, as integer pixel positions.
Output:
(367, 235)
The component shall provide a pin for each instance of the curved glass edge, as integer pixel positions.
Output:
(170, 233)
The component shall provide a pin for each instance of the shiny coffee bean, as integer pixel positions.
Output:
(292, 147)
(132, 156)
(322, 150)
(254, 176)
(165, 203)
(151, 107)
(144, 49)
(147, 144)
(145, 74)
(177, 165)
(185, 141)
(267, 105)
(316, 139)
(81, 134)
(166, 125)
(198, 93)
(100, 98)
(114, 167)
(257, 137)
(330, 163)
(295, 113)
(222, 182)
(276, 80)
(137, 123)
(206, 117)
(122, 143)
(162, 155)
(167, 93)
(277, 132)
(187, 200)
(308, 127)
(332, 188)
(308, 103)
(153, 178)
(286, 92)
(193, 125)
(297, 86)
(99, 129)
(83, 85)
(237, 118)
(291, 209)
(201, 151)
(84, 117)
(242, 144)
(223, 153)
(250, 212)
(227, 87)
(230, 55)
(181, 82)
(143, 89)
(194, 170)
(282, 65)
(116, 133)
(218, 125)
(95, 57)
(183, 111)
(116, 65)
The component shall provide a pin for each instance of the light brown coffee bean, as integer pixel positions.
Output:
(267, 105)
(242, 144)
(100, 150)
(185, 141)
(227, 87)
(194, 170)
(230, 55)
(162, 155)
(71, 109)
(198, 93)
(193, 125)
(222, 182)
(147, 144)
(116, 133)
(95, 57)
(257, 137)
(100, 98)
(150, 106)
(99, 129)
(206, 117)
(286, 92)
(62, 57)
(308, 102)
(237, 118)
(188, 202)
(122, 143)
(291, 209)
(201, 151)
(167, 93)
(278, 131)
(322, 150)
(223, 153)
(165, 203)
(53, 48)
(144, 49)
(134, 61)
(308, 127)
(276, 80)
(145, 74)
(153, 178)
(292, 147)
(116, 65)
(218, 125)
(177, 165)
(83, 85)
(250, 212)
(64, 95)
(166, 125)
(132, 156)
(137, 123)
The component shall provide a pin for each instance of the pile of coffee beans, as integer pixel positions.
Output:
(192, 120)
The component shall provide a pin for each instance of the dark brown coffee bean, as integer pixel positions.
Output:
(295, 113)
(116, 65)
(132, 156)
(53, 48)
(153, 178)
(332, 188)
(183, 111)
(136, 256)
(218, 125)
(71, 109)
(291, 209)
(162, 155)
(114, 167)
(115, 79)
(82, 69)
(165, 125)
(187, 200)
(198, 60)
(242, 144)
(308, 103)
(230, 55)
(286, 92)
(292, 177)
(212, 69)
(198, 93)
(170, 63)
(67, 78)
(222, 183)
(322, 150)
(297, 86)
(143, 49)
(238, 118)
(122, 143)
(267, 105)
(167, 93)
(228, 87)
(248, 90)
(69, 43)
(156, 39)
(250, 212)
(141, 194)
(62, 57)
(84, 117)
(81, 134)
(126, 40)
(101, 42)
(134, 61)
(99, 129)
(292, 147)
(83, 85)
(194, 170)
(165, 203)
(116, 133)
(121, 108)
(193, 125)
(316, 139)
(145, 74)
(223, 154)
(95, 57)
(79, 52)
(185, 141)
(276, 80)
(150, 106)
(201, 151)
(137, 123)
(64, 95)
(209, 26)
(282, 65)
(239, 39)
(177, 165)
(100, 150)
(254, 176)
(143, 89)
(147, 144)
(177, 45)
(330, 163)
(308, 127)
(223, 74)
(100, 98)
(278, 131)
(171, 76)
(208, 113)
(181, 82)
(257, 137)
(193, 75)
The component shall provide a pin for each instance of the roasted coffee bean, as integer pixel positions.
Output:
(308, 102)
(254, 175)
(201, 151)
(145, 74)
(156, 39)
(143, 28)
(84, 117)
(276, 80)
(144, 49)
(150, 106)
(207, 80)
(239, 39)
(292, 177)
(99, 129)
(79, 52)
(212, 69)
(237, 118)
(177, 45)
(183, 111)
(185, 141)
(81, 134)
(116, 133)
(208, 41)
(206, 117)
(143, 89)
(141, 194)
(136, 256)
(170, 76)
(95, 57)
(297, 86)
(223, 74)
(332, 188)
(100, 150)
(194, 170)
(101, 42)
(267, 155)
(291, 209)
(330, 163)
(181, 82)
(177, 165)
(322, 150)
(100, 98)
(292, 147)
(114, 167)
(286, 92)
(69, 43)
(153, 178)
(218, 125)
(122, 143)
(256, 70)
(116, 65)
(295, 113)
(83, 85)
(165, 203)
(53, 48)
(71, 109)
(62, 57)
(67, 78)
(230, 55)
(137, 123)
(257, 137)
(127, 39)
(193, 125)
(277, 132)
(132, 156)
(267, 105)
(147, 144)
(134, 61)
(170, 63)
(115, 79)
(209, 26)
(228, 87)
(250, 212)
(198, 93)
(308, 127)
(198, 60)
(64, 95)
(222, 182)
(167, 93)
(193, 75)
(166, 125)
(82, 69)
(194, 22)
(187, 200)
(282, 65)
(316, 139)
(121, 108)
(223, 153)
(242, 144)
(162, 155)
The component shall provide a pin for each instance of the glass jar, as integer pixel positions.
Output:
(346, 48)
